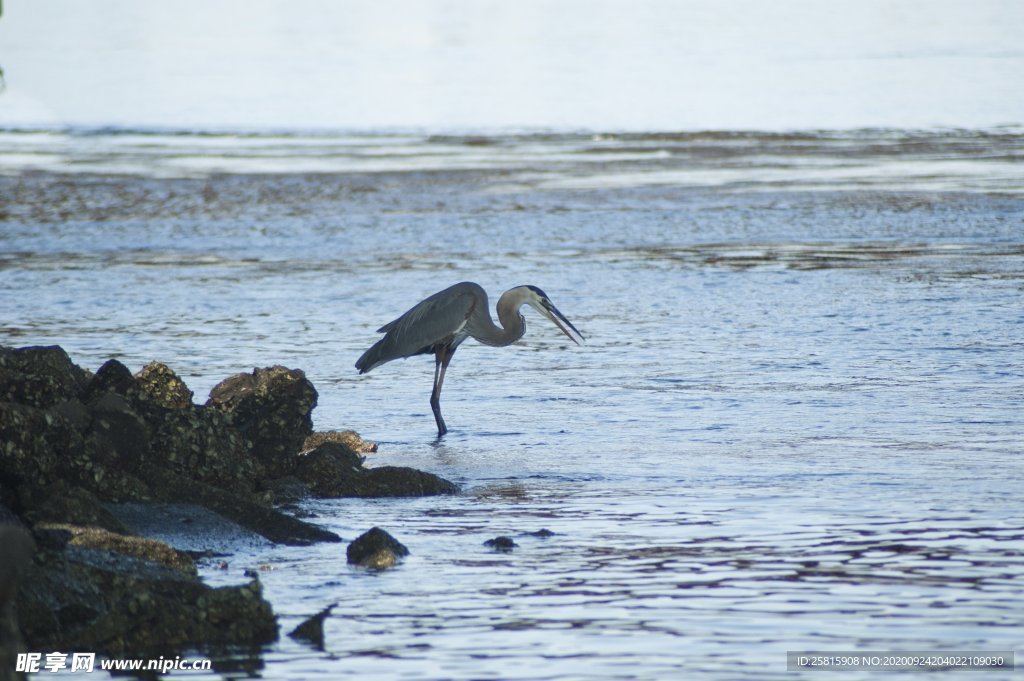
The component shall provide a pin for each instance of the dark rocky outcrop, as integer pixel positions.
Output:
(273, 409)
(79, 451)
(113, 603)
(16, 549)
(376, 549)
(334, 470)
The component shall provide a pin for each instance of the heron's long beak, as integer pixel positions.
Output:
(563, 324)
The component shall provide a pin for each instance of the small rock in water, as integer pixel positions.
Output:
(312, 629)
(502, 544)
(376, 549)
(543, 533)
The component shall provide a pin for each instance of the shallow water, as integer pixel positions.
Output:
(795, 424)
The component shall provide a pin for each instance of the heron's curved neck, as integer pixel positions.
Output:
(513, 326)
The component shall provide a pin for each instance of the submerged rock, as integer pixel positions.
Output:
(501, 544)
(376, 549)
(312, 629)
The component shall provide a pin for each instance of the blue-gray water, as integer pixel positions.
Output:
(796, 423)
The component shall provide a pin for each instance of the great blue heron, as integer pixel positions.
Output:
(440, 323)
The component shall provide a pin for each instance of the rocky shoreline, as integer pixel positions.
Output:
(84, 455)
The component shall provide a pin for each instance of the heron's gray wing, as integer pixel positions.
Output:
(433, 320)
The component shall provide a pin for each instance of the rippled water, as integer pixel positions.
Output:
(796, 423)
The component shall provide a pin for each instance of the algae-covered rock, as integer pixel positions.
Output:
(129, 545)
(349, 438)
(202, 444)
(376, 549)
(39, 376)
(273, 408)
(163, 386)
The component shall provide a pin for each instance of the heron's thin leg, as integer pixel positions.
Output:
(442, 356)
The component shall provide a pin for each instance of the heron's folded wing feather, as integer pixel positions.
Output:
(431, 321)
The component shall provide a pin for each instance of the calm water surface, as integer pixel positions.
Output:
(796, 423)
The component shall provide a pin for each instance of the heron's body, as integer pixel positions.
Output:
(440, 323)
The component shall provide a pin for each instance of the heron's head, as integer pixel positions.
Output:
(539, 301)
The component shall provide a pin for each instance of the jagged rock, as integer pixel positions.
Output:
(376, 549)
(334, 470)
(39, 376)
(112, 377)
(312, 630)
(163, 386)
(272, 407)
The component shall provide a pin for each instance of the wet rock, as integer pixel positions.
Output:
(272, 407)
(18, 548)
(140, 547)
(334, 470)
(163, 387)
(63, 503)
(501, 544)
(329, 469)
(312, 629)
(376, 549)
(37, 447)
(118, 429)
(400, 481)
(286, 490)
(51, 538)
(39, 376)
(84, 598)
(349, 438)
(272, 524)
(202, 444)
(191, 528)
(112, 376)
(15, 558)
